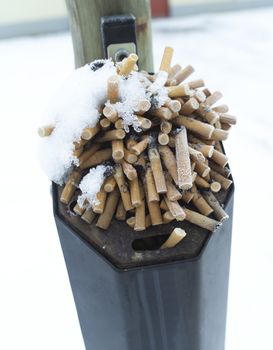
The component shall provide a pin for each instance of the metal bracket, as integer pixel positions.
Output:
(118, 36)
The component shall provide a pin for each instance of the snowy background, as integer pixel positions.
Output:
(233, 52)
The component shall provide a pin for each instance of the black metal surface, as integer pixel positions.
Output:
(171, 306)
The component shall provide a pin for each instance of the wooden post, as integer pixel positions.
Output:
(84, 19)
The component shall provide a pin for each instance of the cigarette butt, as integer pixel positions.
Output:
(77, 152)
(45, 131)
(130, 143)
(98, 207)
(221, 109)
(116, 134)
(105, 123)
(143, 106)
(157, 170)
(190, 106)
(213, 98)
(201, 183)
(120, 212)
(172, 192)
(183, 160)
(173, 70)
(110, 206)
(176, 237)
(207, 92)
(225, 183)
(109, 184)
(130, 158)
(169, 162)
(97, 158)
(200, 96)
(187, 196)
(194, 174)
(183, 74)
(154, 210)
(200, 203)
(139, 147)
(117, 150)
(113, 89)
(141, 161)
(131, 221)
(225, 126)
(119, 124)
(153, 196)
(195, 84)
(127, 65)
(206, 150)
(196, 155)
(70, 187)
(219, 135)
(78, 209)
(219, 212)
(219, 158)
(163, 205)
(225, 171)
(166, 59)
(88, 216)
(176, 209)
(140, 219)
(163, 139)
(80, 144)
(202, 169)
(136, 198)
(218, 147)
(88, 153)
(145, 123)
(163, 113)
(200, 128)
(218, 124)
(173, 105)
(215, 186)
(207, 113)
(167, 217)
(200, 220)
(171, 142)
(123, 188)
(89, 133)
(165, 127)
(129, 170)
(227, 118)
(110, 113)
(148, 221)
(178, 90)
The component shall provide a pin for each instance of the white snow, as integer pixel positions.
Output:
(233, 53)
(90, 185)
(74, 107)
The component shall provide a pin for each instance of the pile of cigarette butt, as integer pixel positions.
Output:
(172, 161)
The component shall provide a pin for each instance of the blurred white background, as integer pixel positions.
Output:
(233, 53)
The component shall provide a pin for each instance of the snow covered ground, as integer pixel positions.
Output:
(233, 53)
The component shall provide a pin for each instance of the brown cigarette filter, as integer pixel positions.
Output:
(105, 123)
(221, 109)
(225, 171)
(200, 220)
(78, 209)
(110, 207)
(116, 134)
(169, 161)
(140, 219)
(135, 193)
(88, 216)
(168, 217)
(187, 196)
(163, 205)
(98, 207)
(215, 186)
(172, 192)
(128, 64)
(157, 170)
(200, 96)
(109, 184)
(131, 221)
(152, 195)
(117, 150)
(175, 237)
(202, 169)
(201, 183)
(176, 209)
(208, 114)
(163, 113)
(225, 183)
(163, 139)
(88, 153)
(195, 84)
(178, 91)
(196, 126)
(213, 98)
(219, 135)
(219, 212)
(110, 113)
(166, 59)
(123, 188)
(219, 158)
(154, 210)
(196, 155)
(190, 106)
(113, 89)
(183, 74)
(183, 160)
(45, 131)
(89, 133)
(70, 187)
(145, 123)
(97, 158)
(174, 70)
(227, 118)
(119, 124)
(200, 203)
(206, 150)
(143, 106)
(165, 127)
(173, 105)
(129, 170)
(120, 212)
(140, 146)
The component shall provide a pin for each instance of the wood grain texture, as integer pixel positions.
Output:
(84, 19)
